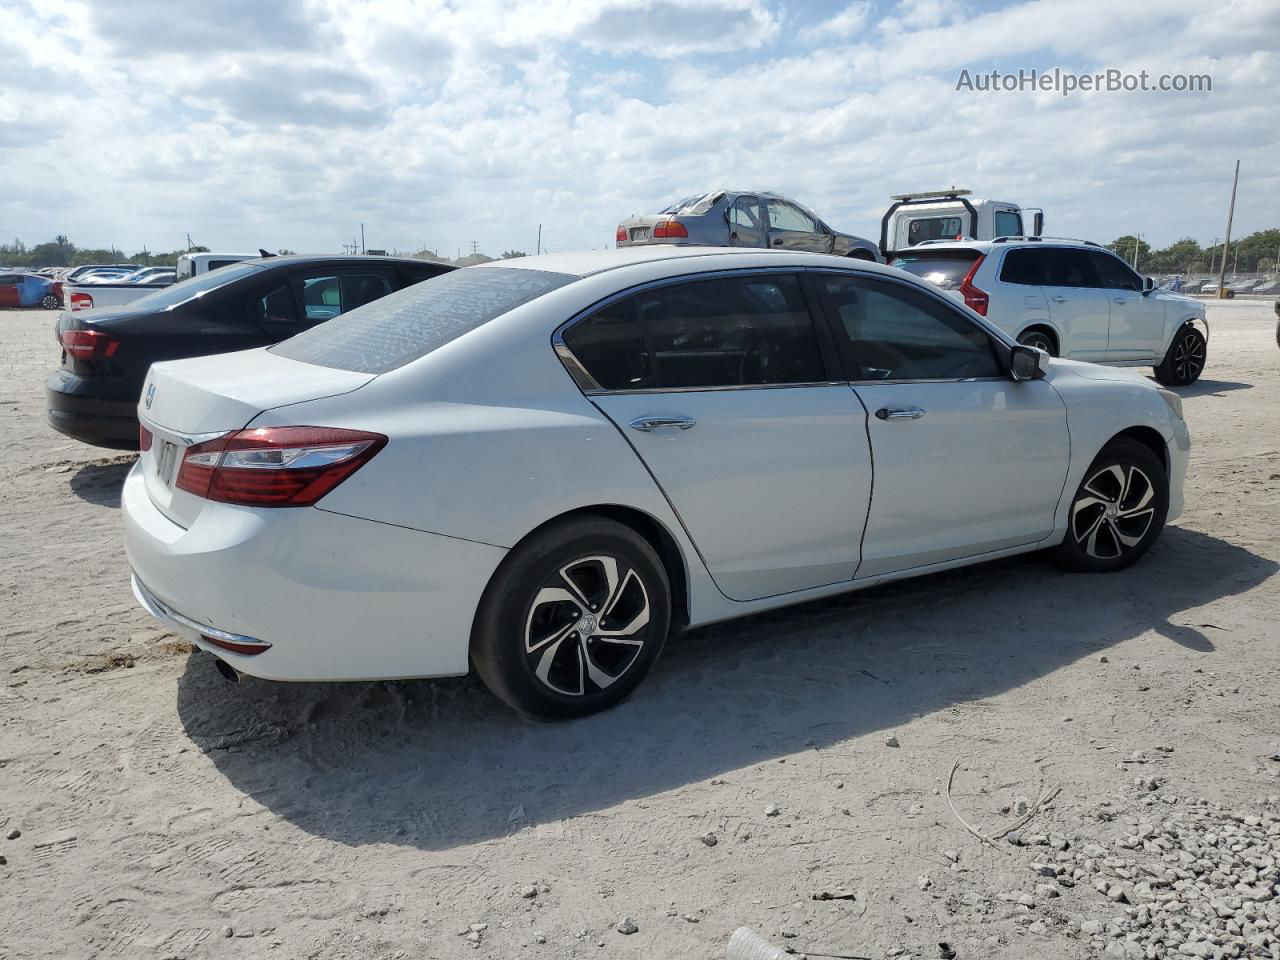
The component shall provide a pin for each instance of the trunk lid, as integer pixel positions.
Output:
(187, 402)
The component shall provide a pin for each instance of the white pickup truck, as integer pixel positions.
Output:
(953, 214)
(92, 296)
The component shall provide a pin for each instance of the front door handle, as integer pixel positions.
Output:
(777, 241)
(899, 413)
(647, 424)
(1058, 299)
(1119, 299)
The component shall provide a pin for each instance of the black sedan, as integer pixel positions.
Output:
(93, 395)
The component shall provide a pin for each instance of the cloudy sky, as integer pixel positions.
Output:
(286, 123)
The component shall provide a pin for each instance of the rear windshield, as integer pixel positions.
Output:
(694, 206)
(194, 287)
(944, 269)
(404, 326)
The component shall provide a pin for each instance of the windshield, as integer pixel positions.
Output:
(943, 269)
(404, 326)
(181, 292)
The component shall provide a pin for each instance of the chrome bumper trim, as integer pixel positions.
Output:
(161, 611)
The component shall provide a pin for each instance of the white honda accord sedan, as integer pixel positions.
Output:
(542, 467)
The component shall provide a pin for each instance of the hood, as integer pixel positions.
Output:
(1169, 295)
(1094, 371)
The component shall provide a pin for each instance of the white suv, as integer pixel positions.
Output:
(1071, 298)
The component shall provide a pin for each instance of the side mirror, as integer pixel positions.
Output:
(1028, 363)
(1037, 224)
(1148, 284)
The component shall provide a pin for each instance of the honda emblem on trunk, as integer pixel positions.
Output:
(151, 395)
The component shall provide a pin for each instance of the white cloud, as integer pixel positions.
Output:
(439, 123)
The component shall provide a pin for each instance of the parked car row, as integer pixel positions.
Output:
(541, 467)
(93, 396)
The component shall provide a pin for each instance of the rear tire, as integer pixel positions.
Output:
(573, 619)
(1117, 511)
(50, 302)
(1040, 339)
(1185, 359)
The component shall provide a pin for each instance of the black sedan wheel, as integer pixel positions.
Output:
(1184, 361)
(1118, 510)
(573, 619)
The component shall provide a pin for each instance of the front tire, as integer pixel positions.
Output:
(573, 619)
(1185, 359)
(1040, 340)
(1118, 510)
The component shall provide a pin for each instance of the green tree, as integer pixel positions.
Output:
(512, 254)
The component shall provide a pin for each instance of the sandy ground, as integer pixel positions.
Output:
(165, 813)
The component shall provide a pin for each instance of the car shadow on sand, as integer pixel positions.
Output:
(438, 764)
(1210, 388)
(101, 483)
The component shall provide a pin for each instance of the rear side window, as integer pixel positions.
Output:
(943, 269)
(934, 228)
(1026, 266)
(610, 345)
(725, 332)
(404, 326)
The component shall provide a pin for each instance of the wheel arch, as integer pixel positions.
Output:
(654, 533)
(1149, 437)
(1045, 327)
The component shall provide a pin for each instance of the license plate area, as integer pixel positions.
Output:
(166, 457)
(639, 233)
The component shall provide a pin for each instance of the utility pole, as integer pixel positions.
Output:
(539, 249)
(1231, 212)
(362, 238)
(1137, 238)
(1213, 255)
(1235, 261)
(474, 247)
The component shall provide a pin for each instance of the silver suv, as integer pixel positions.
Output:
(1071, 298)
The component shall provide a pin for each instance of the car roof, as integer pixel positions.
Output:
(590, 262)
(986, 246)
(341, 258)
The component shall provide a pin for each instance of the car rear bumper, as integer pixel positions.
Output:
(77, 407)
(335, 597)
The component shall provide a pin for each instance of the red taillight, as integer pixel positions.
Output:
(669, 230)
(621, 236)
(144, 438)
(81, 301)
(275, 466)
(89, 344)
(973, 297)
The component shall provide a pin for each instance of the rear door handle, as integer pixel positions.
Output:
(899, 413)
(1058, 299)
(777, 241)
(1120, 300)
(647, 424)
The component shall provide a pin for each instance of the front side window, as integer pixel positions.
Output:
(1008, 224)
(934, 228)
(784, 216)
(722, 332)
(894, 333)
(1113, 274)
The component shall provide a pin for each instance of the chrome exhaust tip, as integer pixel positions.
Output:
(229, 673)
